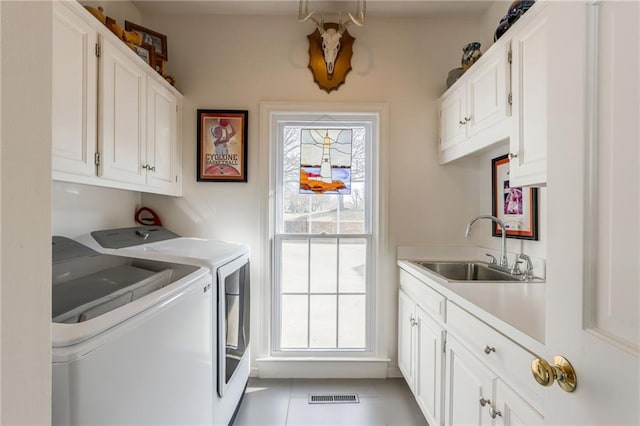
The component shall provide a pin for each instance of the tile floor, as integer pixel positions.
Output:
(280, 402)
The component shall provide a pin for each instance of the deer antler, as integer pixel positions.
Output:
(305, 15)
(360, 13)
(358, 18)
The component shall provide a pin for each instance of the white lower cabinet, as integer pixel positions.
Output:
(474, 395)
(513, 409)
(461, 370)
(406, 309)
(429, 362)
(420, 356)
(469, 384)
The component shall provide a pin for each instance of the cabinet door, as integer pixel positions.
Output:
(429, 362)
(123, 113)
(163, 156)
(468, 382)
(406, 308)
(452, 118)
(487, 91)
(74, 94)
(513, 410)
(530, 69)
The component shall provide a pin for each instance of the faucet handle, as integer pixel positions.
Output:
(528, 273)
(515, 269)
(492, 259)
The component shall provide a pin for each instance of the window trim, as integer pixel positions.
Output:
(384, 312)
(325, 120)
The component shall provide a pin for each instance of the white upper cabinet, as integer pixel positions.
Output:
(163, 157)
(505, 96)
(530, 73)
(123, 97)
(453, 113)
(473, 112)
(487, 88)
(116, 122)
(74, 94)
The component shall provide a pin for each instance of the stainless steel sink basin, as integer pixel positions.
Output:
(466, 271)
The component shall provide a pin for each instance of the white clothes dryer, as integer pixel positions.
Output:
(229, 267)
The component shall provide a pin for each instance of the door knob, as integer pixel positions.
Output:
(562, 371)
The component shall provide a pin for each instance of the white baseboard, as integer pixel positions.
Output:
(271, 368)
(394, 372)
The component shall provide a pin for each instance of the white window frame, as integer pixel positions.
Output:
(326, 120)
(377, 353)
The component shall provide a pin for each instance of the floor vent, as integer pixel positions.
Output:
(348, 398)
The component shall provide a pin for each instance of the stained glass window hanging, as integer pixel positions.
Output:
(325, 161)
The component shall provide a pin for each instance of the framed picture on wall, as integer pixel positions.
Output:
(222, 145)
(517, 207)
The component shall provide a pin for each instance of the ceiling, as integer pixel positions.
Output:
(378, 8)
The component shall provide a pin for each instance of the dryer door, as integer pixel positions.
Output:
(233, 318)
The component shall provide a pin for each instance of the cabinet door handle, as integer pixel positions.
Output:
(464, 121)
(484, 402)
(512, 155)
(488, 349)
(494, 413)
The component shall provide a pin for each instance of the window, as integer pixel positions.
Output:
(323, 239)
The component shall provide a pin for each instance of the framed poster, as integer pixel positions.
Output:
(222, 145)
(517, 207)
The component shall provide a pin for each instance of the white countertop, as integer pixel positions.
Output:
(516, 309)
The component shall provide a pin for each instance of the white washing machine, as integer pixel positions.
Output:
(229, 266)
(131, 339)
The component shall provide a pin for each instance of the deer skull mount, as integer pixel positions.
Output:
(330, 47)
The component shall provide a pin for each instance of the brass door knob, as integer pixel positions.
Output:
(561, 371)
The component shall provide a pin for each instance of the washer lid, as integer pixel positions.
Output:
(63, 248)
(132, 236)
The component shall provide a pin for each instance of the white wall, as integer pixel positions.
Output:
(481, 234)
(25, 182)
(119, 10)
(78, 209)
(236, 62)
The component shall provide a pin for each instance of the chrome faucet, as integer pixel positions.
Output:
(503, 256)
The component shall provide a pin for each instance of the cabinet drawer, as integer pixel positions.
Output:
(430, 300)
(505, 357)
